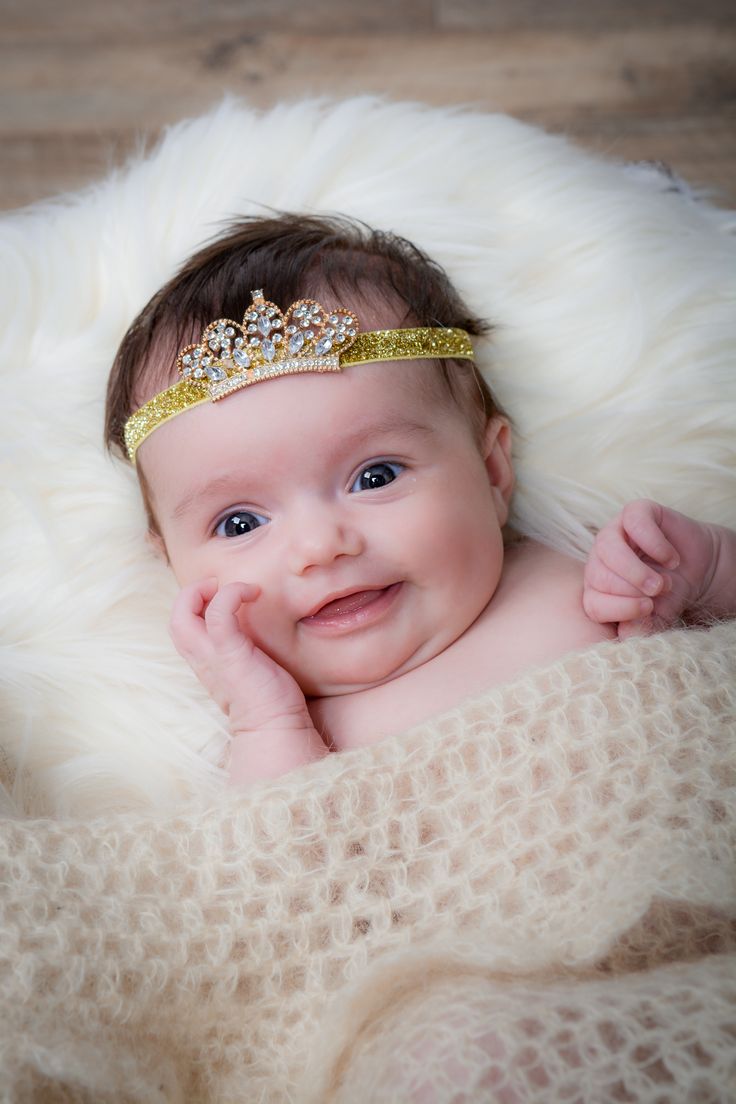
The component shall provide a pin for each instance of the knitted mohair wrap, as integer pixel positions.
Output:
(531, 898)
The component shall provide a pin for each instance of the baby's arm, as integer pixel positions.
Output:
(651, 565)
(272, 731)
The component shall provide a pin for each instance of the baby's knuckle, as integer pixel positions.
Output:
(610, 540)
(590, 604)
(639, 510)
(215, 613)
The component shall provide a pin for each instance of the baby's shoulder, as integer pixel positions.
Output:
(541, 595)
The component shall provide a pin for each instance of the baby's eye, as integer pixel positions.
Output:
(239, 522)
(377, 475)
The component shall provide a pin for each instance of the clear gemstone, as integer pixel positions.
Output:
(309, 334)
(197, 353)
(268, 348)
(241, 359)
(238, 342)
(341, 337)
(254, 341)
(291, 329)
(216, 373)
(252, 315)
(264, 326)
(187, 371)
(334, 319)
(271, 312)
(351, 333)
(186, 359)
(198, 373)
(277, 338)
(214, 344)
(323, 345)
(229, 331)
(305, 323)
(277, 323)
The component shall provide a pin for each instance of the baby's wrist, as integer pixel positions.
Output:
(274, 749)
(718, 593)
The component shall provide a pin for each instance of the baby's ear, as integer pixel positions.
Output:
(496, 448)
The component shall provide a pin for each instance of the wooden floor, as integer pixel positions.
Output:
(83, 83)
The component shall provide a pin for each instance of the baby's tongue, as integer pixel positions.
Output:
(349, 603)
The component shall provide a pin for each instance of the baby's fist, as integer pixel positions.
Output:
(646, 568)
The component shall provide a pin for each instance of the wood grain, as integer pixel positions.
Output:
(82, 85)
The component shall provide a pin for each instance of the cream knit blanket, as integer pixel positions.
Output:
(531, 898)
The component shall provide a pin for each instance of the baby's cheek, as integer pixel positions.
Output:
(264, 622)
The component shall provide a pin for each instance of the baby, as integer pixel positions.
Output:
(339, 533)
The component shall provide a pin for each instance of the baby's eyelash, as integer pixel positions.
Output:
(243, 522)
(376, 474)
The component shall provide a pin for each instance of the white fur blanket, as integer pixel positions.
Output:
(613, 300)
(167, 942)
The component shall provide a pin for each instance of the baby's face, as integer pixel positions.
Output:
(359, 502)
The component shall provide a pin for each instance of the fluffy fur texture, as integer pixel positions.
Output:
(530, 899)
(613, 301)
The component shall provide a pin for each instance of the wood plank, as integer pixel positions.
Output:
(579, 15)
(671, 72)
(135, 21)
(28, 21)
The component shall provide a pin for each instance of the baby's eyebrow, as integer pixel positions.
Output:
(205, 491)
(390, 424)
(361, 430)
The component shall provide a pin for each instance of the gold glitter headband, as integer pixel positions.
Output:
(267, 344)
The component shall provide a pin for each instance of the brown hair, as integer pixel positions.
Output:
(290, 256)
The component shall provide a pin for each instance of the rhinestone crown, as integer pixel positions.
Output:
(267, 343)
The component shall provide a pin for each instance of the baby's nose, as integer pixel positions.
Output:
(319, 539)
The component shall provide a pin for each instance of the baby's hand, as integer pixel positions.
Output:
(647, 567)
(266, 710)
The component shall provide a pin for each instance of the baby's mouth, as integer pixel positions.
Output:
(348, 606)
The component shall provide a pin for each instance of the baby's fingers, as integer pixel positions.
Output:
(187, 626)
(620, 570)
(221, 617)
(642, 523)
(600, 577)
(609, 608)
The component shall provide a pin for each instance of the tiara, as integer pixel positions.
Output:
(268, 343)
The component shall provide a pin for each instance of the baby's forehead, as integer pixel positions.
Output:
(300, 424)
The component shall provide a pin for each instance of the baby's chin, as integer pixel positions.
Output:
(318, 689)
(366, 675)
